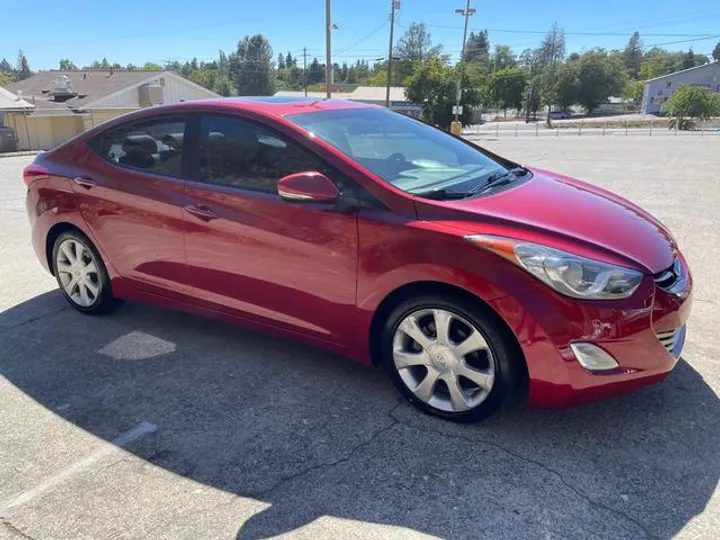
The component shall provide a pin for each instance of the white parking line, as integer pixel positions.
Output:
(128, 437)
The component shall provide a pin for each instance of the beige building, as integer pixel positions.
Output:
(66, 103)
(374, 95)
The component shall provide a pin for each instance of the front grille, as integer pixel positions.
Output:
(668, 338)
(672, 279)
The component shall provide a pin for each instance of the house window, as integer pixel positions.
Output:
(668, 84)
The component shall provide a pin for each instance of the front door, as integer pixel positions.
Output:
(132, 198)
(288, 265)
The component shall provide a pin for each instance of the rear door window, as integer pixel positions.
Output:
(151, 145)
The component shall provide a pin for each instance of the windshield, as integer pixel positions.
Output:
(410, 155)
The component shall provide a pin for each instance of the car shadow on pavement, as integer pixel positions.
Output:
(316, 435)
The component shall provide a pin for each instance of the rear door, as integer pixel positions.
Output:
(289, 265)
(132, 196)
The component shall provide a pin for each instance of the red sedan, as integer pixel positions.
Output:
(472, 279)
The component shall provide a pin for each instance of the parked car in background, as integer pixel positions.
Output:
(472, 279)
(559, 115)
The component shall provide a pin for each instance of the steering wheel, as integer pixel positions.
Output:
(397, 157)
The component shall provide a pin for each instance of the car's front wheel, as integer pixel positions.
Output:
(81, 274)
(449, 357)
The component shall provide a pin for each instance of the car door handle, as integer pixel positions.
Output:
(201, 211)
(85, 181)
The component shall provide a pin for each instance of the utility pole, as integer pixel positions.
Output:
(394, 4)
(466, 12)
(305, 70)
(328, 55)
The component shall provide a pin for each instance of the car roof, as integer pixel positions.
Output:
(274, 105)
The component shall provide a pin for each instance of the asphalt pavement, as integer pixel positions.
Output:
(155, 424)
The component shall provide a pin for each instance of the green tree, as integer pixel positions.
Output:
(567, 84)
(6, 73)
(688, 60)
(477, 47)
(316, 72)
(503, 57)
(280, 61)
(150, 66)
(690, 104)
(5, 79)
(414, 46)
(507, 87)
(251, 67)
(379, 79)
(22, 69)
(433, 84)
(656, 63)
(547, 59)
(633, 55)
(213, 79)
(632, 93)
(599, 77)
(104, 64)
(67, 64)
(716, 52)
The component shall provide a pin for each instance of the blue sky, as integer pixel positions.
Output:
(143, 30)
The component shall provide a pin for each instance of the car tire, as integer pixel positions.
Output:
(81, 274)
(467, 379)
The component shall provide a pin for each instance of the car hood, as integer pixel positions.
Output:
(572, 212)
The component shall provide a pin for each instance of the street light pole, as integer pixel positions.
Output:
(466, 12)
(328, 56)
(390, 52)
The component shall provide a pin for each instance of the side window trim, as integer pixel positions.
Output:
(96, 140)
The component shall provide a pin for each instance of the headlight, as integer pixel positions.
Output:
(567, 273)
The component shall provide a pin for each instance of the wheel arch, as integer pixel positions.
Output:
(52, 235)
(419, 288)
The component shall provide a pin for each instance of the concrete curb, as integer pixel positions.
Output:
(19, 154)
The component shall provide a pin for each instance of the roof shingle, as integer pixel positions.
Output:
(89, 84)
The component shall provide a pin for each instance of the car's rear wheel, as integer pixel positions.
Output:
(81, 274)
(449, 357)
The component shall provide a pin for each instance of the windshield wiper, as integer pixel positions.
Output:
(440, 194)
(498, 179)
(495, 179)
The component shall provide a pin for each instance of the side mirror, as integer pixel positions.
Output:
(307, 186)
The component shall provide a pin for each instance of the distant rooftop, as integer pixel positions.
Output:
(714, 64)
(312, 95)
(84, 86)
(9, 102)
(361, 93)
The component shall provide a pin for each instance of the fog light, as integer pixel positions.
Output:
(592, 357)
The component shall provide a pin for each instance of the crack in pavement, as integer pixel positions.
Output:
(14, 530)
(394, 421)
(555, 473)
(32, 320)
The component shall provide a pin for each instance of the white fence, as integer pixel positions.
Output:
(579, 129)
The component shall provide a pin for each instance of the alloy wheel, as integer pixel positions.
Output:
(443, 359)
(78, 272)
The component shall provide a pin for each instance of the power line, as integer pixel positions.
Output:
(362, 39)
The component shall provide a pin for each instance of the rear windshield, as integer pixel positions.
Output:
(408, 154)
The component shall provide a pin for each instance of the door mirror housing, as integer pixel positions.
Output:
(308, 186)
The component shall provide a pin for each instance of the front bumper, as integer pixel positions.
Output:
(631, 330)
